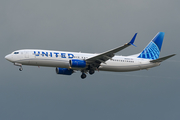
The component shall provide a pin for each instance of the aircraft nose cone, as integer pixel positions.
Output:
(8, 57)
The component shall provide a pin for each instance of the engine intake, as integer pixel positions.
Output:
(64, 71)
(77, 63)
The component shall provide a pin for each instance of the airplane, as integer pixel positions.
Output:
(66, 63)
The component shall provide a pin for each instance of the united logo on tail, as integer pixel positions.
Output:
(152, 50)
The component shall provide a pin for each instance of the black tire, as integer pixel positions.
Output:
(20, 69)
(83, 75)
(91, 72)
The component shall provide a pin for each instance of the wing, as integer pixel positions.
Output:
(103, 57)
(162, 59)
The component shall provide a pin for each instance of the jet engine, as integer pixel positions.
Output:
(64, 71)
(77, 63)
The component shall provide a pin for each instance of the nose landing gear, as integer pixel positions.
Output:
(20, 65)
(20, 69)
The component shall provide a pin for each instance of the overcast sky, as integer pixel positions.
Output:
(92, 26)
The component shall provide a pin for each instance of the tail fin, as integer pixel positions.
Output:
(152, 50)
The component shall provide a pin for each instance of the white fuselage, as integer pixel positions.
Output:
(61, 59)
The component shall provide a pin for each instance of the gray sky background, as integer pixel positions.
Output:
(89, 26)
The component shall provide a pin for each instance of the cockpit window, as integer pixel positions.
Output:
(16, 52)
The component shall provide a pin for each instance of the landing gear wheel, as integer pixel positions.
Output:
(83, 75)
(91, 72)
(20, 69)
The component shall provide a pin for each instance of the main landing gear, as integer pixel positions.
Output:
(91, 71)
(83, 75)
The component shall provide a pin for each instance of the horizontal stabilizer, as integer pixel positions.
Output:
(162, 59)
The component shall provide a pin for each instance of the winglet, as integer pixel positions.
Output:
(132, 40)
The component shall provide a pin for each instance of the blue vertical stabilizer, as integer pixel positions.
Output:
(153, 49)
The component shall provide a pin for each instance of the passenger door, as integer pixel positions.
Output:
(26, 54)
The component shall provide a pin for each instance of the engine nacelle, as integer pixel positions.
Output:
(77, 63)
(64, 71)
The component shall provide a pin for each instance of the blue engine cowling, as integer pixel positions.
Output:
(77, 63)
(64, 71)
